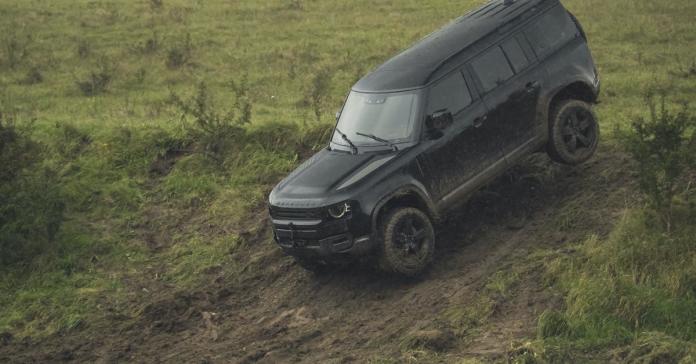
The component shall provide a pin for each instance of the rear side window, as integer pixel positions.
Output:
(492, 68)
(451, 94)
(551, 30)
(516, 55)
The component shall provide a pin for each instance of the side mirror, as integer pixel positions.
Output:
(437, 122)
(338, 114)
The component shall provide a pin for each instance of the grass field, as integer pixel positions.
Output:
(147, 194)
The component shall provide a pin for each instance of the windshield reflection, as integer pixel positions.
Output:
(377, 119)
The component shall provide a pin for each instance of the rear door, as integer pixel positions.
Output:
(510, 85)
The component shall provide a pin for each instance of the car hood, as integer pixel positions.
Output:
(324, 176)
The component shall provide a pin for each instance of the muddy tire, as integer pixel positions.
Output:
(574, 132)
(407, 242)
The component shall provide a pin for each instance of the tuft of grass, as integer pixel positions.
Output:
(180, 54)
(552, 324)
(98, 80)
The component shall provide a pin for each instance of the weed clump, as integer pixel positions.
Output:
(98, 80)
(15, 48)
(33, 76)
(552, 324)
(83, 49)
(180, 54)
(318, 92)
(214, 131)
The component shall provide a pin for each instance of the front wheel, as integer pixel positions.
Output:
(407, 242)
(574, 132)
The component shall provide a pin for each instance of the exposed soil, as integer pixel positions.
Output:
(273, 311)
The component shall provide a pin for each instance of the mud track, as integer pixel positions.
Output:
(276, 312)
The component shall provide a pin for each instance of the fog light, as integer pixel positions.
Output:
(339, 211)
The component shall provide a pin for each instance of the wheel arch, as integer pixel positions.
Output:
(407, 196)
(578, 90)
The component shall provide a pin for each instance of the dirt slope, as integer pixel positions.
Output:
(276, 312)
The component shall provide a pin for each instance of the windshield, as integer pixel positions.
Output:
(388, 116)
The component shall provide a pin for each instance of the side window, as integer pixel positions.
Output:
(551, 30)
(451, 93)
(516, 55)
(492, 68)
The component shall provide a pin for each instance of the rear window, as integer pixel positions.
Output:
(451, 94)
(492, 68)
(551, 31)
(516, 55)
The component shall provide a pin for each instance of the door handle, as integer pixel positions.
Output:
(478, 122)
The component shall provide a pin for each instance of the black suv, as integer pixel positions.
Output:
(423, 131)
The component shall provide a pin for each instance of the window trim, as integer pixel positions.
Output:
(472, 94)
(507, 56)
(547, 53)
(482, 91)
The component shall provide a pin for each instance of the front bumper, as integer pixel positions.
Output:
(343, 244)
(317, 235)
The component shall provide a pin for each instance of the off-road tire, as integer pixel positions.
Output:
(563, 132)
(393, 254)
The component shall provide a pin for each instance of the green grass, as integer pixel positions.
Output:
(636, 285)
(101, 147)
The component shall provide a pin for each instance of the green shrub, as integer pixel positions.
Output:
(664, 146)
(31, 208)
(215, 132)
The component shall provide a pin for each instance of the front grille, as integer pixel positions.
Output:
(296, 214)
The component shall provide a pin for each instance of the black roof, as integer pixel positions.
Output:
(424, 61)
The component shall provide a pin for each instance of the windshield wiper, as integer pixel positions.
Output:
(345, 137)
(381, 140)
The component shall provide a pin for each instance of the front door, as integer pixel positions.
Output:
(467, 147)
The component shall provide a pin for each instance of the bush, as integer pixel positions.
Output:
(31, 210)
(664, 146)
(214, 131)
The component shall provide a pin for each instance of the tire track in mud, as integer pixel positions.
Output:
(275, 312)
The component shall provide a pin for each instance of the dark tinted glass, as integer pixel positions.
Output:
(451, 94)
(551, 30)
(515, 54)
(492, 68)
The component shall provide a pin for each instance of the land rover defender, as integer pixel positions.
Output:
(422, 132)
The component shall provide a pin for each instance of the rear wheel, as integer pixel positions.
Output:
(408, 242)
(574, 132)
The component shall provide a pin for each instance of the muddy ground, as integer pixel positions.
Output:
(273, 311)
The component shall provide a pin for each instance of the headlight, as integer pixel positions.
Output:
(340, 210)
